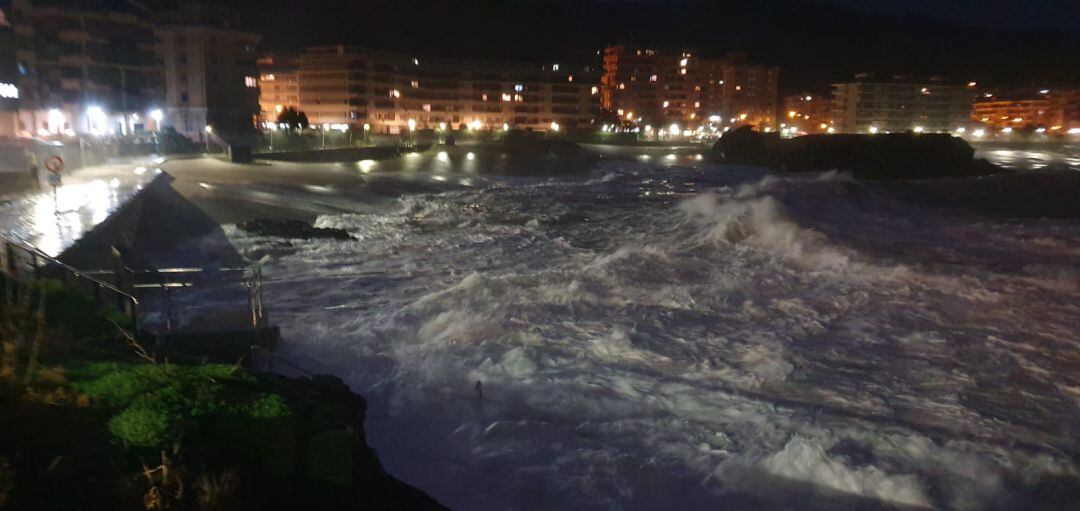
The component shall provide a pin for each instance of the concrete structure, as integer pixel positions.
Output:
(82, 70)
(279, 85)
(869, 105)
(210, 69)
(806, 113)
(389, 92)
(659, 87)
(1051, 109)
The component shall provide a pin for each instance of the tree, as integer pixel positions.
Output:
(292, 119)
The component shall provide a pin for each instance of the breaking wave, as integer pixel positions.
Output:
(696, 337)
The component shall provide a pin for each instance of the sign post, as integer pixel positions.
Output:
(55, 165)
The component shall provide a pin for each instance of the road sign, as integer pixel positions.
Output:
(54, 179)
(54, 164)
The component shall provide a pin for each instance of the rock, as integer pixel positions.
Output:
(292, 229)
(895, 156)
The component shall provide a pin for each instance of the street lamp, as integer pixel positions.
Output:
(157, 115)
(209, 130)
(95, 120)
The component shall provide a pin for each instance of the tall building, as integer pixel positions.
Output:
(1052, 109)
(9, 76)
(83, 68)
(664, 87)
(279, 85)
(211, 71)
(869, 105)
(344, 85)
(807, 112)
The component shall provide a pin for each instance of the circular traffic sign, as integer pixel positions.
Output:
(54, 164)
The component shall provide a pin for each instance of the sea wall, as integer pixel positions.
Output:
(335, 155)
(894, 156)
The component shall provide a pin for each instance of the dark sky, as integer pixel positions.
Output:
(998, 14)
(814, 41)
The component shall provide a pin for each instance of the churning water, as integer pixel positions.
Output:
(679, 335)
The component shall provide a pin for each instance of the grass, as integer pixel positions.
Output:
(83, 411)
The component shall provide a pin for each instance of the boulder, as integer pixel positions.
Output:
(895, 156)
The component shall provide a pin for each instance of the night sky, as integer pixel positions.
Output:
(815, 41)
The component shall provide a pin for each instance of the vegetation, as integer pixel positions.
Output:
(292, 119)
(93, 420)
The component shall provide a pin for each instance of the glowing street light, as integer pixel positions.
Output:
(554, 126)
(56, 120)
(506, 127)
(412, 124)
(873, 130)
(674, 128)
(476, 124)
(157, 115)
(95, 118)
(918, 129)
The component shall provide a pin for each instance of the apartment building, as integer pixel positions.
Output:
(83, 69)
(279, 85)
(807, 112)
(656, 86)
(210, 69)
(1052, 109)
(872, 105)
(391, 92)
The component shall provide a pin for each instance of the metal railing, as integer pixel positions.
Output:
(22, 260)
(171, 280)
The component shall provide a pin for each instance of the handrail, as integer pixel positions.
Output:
(74, 271)
(283, 359)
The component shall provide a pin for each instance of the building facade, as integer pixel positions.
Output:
(869, 105)
(211, 72)
(660, 87)
(83, 69)
(279, 85)
(391, 92)
(807, 112)
(1050, 109)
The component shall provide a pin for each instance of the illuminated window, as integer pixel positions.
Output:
(519, 88)
(268, 78)
(652, 78)
(595, 90)
(507, 97)
(415, 84)
(250, 81)
(622, 86)
(483, 97)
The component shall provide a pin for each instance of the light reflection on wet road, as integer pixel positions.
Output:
(85, 199)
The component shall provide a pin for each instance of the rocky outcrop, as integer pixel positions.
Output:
(320, 459)
(895, 156)
(292, 229)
